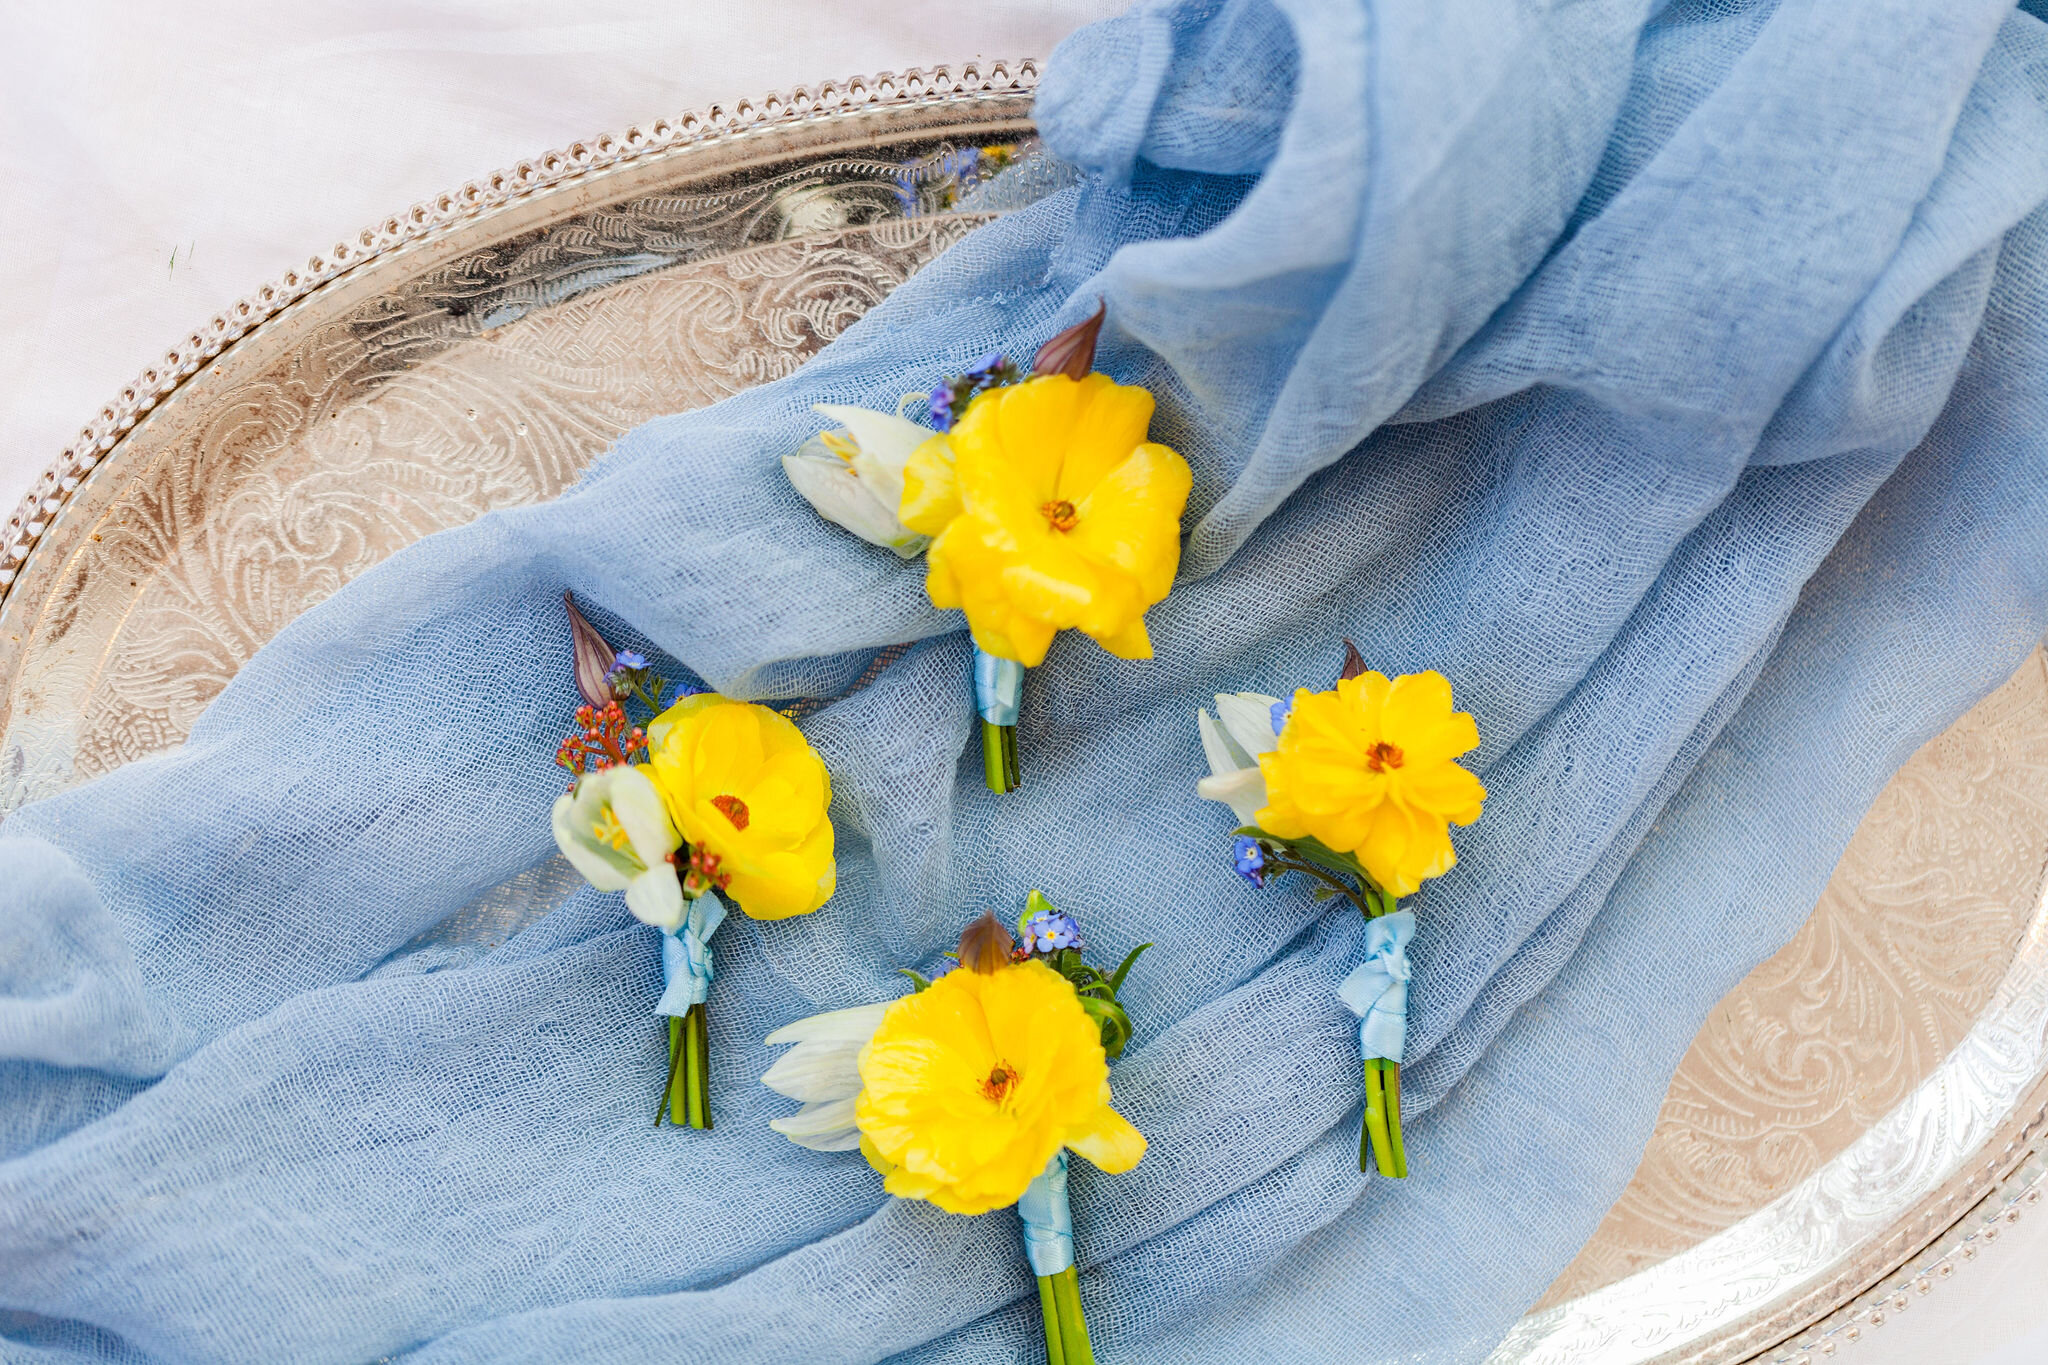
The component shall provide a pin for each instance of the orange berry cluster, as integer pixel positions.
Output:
(702, 874)
(602, 740)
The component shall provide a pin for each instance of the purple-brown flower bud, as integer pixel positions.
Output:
(1354, 662)
(1072, 352)
(985, 945)
(593, 657)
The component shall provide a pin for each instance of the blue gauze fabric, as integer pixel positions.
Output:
(686, 956)
(1673, 377)
(998, 688)
(1048, 1220)
(1377, 988)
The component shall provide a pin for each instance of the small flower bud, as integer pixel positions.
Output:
(1354, 662)
(593, 657)
(1072, 352)
(985, 945)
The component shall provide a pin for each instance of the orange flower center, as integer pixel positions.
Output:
(1060, 515)
(1379, 758)
(735, 809)
(999, 1082)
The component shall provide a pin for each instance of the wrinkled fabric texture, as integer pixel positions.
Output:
(1673, 378)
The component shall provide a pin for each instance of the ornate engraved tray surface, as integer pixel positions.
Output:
(1852, 1123)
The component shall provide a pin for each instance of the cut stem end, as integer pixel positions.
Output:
(686, 1097)
(1066, 1330)
(1380, 1141)
(999, 756)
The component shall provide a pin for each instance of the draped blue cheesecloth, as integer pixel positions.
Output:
(1673, 378)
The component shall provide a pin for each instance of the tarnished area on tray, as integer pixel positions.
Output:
(1841, 1119)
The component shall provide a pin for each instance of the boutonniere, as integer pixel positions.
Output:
(1040, 506)
(1355, 790)
(707, 796)
(972, 1091)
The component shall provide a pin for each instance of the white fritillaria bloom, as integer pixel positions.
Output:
(1246, 724)
(823, 1070)
(854, 475)
(615, 830)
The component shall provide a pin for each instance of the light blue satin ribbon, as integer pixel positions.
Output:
(998, 688)
(686, 955)
(1377, 989)
(1048, 1222)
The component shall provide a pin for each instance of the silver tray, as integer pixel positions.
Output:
(1854, 1121)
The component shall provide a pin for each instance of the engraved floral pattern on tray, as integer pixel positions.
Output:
(262, 520)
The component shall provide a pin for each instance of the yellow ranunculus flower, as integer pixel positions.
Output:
(742, 783)
(1369, 769)
(1050, 510)
(972, 1084)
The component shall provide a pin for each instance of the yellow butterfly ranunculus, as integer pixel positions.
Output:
(742, 783)
(1050, 510)
(971, 1085)
(1369, 769)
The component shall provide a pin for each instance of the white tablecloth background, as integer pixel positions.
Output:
(162, 160)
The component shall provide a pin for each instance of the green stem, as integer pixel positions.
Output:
(1394, 1118)
(999, 756)
(1048, 1308)
(1382, 1136)
(702, 1016)
(1329, 879)
(1066, 1297)
(673, 1028)
(679, 1083)
(687, 1095)
(690, 1101)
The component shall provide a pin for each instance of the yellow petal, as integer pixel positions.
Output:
(1110, 1142)
(1011, 636)
(729, 748)
(1134, 510)
(874, 1156)
(1040, 591)
(1446, 789)
(1110, 423)
(1034, 425)
(1132, 642)
(1417, 700)
(931, 488)
(1403, 848)
(941, 584)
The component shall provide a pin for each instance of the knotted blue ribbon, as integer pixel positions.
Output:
(1048, 1222)
(998, 688)
(1377, 989)
(686, 955)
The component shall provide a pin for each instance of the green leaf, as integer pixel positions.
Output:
(920, 982)
(1326, 893)
(1114, 1023)
(1116, 978)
